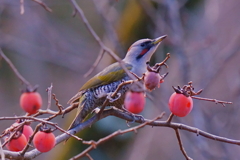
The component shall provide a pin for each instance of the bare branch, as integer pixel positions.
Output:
(181, 145)
(116, 112)
(30, 140)
(60, 107)
(163, 62)
(87, 155)
(64, 131)
(100, 55)
(1, 152)
(43, 5)
(22, 79)
(13, 133)
(49, 90)
(21, 6)
(116, 133)
(93, 33)
(170, 118)
(212, 100)
(109, 25)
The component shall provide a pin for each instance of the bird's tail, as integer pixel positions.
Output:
(77, 120)
(79, 117)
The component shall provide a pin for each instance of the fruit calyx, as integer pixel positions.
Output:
(187, 90)
(30, 89)
(46, 129)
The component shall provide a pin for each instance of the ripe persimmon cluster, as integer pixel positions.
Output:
(17, 137)
(135, 98)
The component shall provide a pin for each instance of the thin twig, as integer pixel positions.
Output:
(181, 145)
(100, 55)
(1, 151)
(43, 5)
(88, 155)
(109, 25)
(21, 6)
(31, 119)
(151, 11)
(170, 118)
(30, 140)
(93, 33)
(113, 95)
(13, 134)
(54, 113)
(74, 12)
(116, 133)
(163, 62)
(60, 107)
(49, 91)
(212, 100)
(122, 115)
(64, 131)
(22, 79)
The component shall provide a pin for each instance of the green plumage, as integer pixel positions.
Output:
(112, 73)
(86, 97)
(94, 92)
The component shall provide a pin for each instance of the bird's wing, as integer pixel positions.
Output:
(75, 98)
(110, 74)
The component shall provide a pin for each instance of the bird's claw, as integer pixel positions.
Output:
(111, 100)
(96, 110)
(135, 118)
(138, 117)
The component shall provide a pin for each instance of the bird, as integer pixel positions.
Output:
(94, 92)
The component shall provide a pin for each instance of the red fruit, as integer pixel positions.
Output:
(31, 102)
(27, 130)
(180, 105)
(134, 101)
(18, 143)
(151, 80)
(44, 141)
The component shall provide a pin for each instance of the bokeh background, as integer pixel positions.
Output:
(203, 39)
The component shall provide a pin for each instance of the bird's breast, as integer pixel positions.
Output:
(139, 70)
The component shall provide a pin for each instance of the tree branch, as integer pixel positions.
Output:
(116, 133)
(181, 145)
(93, 33)
(22, 79)
(100, 55)
(116, 112)
(43, 5)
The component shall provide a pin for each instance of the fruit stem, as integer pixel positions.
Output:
(170, 118)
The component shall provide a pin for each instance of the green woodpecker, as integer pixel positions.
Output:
(94, 92)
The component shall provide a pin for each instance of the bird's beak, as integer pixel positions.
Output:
(159, 39)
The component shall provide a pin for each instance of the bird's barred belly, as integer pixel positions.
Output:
(95, 97)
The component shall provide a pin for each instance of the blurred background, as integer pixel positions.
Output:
(203, 39)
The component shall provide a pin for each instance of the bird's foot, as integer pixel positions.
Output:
(96, 111)
(140, 118)
(111, 100)
(136, 117)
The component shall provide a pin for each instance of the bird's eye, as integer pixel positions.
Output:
(143, 45)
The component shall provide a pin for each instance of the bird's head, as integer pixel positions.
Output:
(142, 50)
